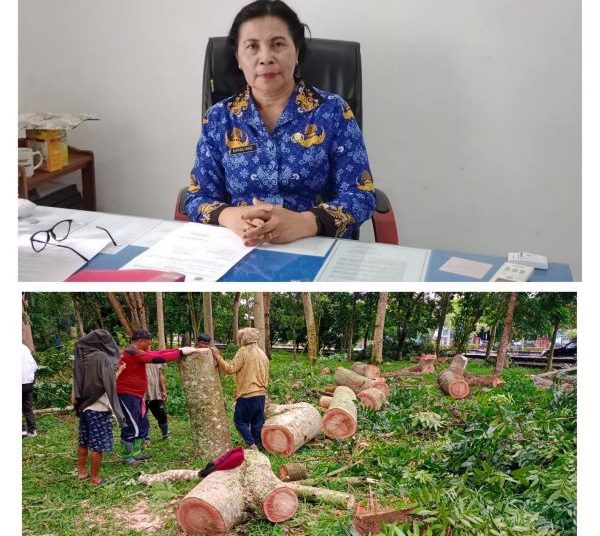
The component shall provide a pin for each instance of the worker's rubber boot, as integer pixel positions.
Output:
(137, 450)
(164, 428)
(128, 457)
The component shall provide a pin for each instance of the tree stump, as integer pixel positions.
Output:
(339, 421)
(225, 499)
(291, 472)
(366, 370)
(205, 403)
(288, 427)
(372, 398)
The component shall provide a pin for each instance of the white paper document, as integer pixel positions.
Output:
(201, 252)
(465, 267)
(316, 247)
(351, 260)
(124, 229)
(156, 234)
(56, 263)
(43, 218)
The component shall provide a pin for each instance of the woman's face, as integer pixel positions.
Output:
(267, 54)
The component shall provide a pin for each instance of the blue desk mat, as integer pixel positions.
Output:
(261, 265)
(555, 271)
(258, 265)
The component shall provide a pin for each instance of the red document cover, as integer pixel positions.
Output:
(125, 276)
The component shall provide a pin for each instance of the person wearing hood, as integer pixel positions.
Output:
(251, 368)
(132, 385)
(95, 399)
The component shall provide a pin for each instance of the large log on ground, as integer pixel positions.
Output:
(426, 365)
(357, 382)
(339, 421)
(372, 398)
(485, 381)
(366, 370)
(459, 361)
(225, 499)
(452, 382)
(288, 427)
(338, 498)
(205, 403)
(172, 475)
(290, 472)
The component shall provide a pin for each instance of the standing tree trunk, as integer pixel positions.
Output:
(80, 330)
(116, 305)
(99, 315)
(137, 309)
(502, 356)
(26, 333)
(160, 321)
(205, 403)
(550, 357)
(208, 317)
(267, 311)
(259, 318)
(311, 331)
(402, 331)
(445, 301)
(490, 344)
(377, 356)
(351, 325)
(235, 318)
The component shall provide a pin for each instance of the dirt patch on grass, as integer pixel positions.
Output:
(138, 517)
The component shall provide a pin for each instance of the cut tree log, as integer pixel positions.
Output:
(452, 382)
(338, 498)
(290, 472)
(485, 381)
(459, 361)
(205, 403)
(372, 398)
(325, 401)
(559, 372)
(43, 411)
(225, 499)
(173, 475)
(357, 382)
(368, 371)
(288, 427)
(426, 365)
(339, 421)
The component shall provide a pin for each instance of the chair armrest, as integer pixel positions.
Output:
(180, 211)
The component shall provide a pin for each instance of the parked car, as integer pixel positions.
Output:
(567, 350)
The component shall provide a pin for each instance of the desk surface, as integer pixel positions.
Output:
(262, 265)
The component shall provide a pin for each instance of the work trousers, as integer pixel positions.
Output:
(27, 406)
(249, 417)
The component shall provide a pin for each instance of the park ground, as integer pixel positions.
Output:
(500, 462)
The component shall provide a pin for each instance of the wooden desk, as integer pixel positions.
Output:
(78, 160)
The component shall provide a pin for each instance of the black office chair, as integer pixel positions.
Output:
(328, 64)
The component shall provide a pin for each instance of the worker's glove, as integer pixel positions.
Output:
(187, 350)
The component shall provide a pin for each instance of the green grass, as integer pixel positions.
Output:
(500, 462)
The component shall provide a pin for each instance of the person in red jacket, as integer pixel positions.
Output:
(131, 386)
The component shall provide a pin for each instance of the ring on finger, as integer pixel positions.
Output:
(270, 236)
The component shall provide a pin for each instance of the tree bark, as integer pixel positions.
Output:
(208, 316)
(338, 498)
(490, 344)
(339, 421)
(288, 427)
(235, 318)
(368, 371)
(259, 318)
(172, 475)
(377, 355)
(26, 333)
(160, 321)
(325, 401)
(116, 305)
(426, 365)
(80, 330)
(550, 357)
(445, 301)
(205, 403)
(502, 356)
(224, 499)
(452, 382)
(310, 327)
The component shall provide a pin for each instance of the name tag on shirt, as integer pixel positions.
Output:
(239, 150)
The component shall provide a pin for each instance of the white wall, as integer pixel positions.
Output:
(472, 107)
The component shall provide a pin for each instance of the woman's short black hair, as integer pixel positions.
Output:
(269, 8)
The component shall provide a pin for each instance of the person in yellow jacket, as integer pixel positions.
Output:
(251, 368)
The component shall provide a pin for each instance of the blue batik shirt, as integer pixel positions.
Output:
(313, 160)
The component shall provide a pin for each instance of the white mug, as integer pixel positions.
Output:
(27, 160)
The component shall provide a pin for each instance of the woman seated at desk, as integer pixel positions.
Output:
(268, 154)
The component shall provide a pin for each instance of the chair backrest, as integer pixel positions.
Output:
(328, 64)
